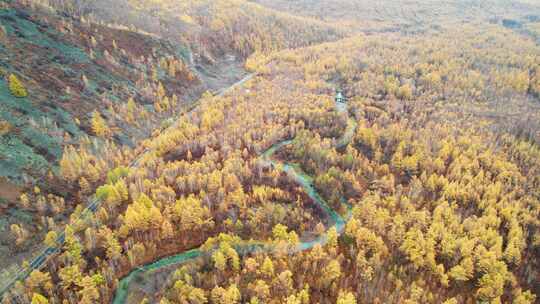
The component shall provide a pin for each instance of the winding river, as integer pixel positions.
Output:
(293, 171)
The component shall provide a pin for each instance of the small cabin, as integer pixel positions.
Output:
(340, 97)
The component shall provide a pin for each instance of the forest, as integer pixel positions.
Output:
(260, 187)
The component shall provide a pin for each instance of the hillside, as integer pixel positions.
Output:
(423, 186)
(214, 27)
(71, 69)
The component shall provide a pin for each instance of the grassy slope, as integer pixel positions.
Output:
(49, 57)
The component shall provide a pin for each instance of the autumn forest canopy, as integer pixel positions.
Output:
(269, 151)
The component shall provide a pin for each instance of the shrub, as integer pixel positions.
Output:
(405, 92)
(114, 175)
(5, 127)
(99, 126)
(104, 191)
(3, 33)
(16, 87)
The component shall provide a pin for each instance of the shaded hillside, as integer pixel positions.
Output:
(215, 27)
(71, 68)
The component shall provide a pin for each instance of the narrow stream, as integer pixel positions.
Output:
(293, 171)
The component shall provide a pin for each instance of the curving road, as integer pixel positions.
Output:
(46, 253)
(293, 171)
